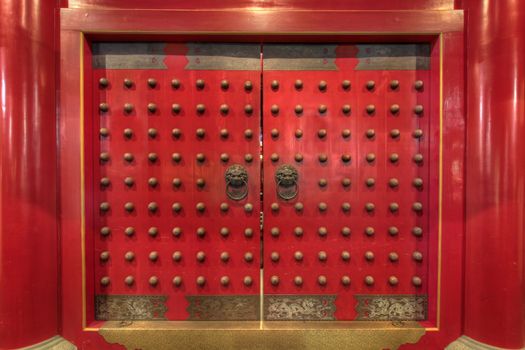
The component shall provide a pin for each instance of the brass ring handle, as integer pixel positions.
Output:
(286, 177)
(237, 192)
(236, 177)
(286, 192)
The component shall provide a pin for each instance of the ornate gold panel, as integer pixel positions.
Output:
(166, 335)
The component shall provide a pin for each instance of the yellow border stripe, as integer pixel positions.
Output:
(440, 193)
(82, 183)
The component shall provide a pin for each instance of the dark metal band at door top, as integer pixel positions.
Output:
(176, 175)
(280, 57)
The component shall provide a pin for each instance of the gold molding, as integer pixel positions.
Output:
(164, 335)
(255, 34)
(259, 9)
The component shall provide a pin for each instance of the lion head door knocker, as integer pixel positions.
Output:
(236, 177)
(286, 177)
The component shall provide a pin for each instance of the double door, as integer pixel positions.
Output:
(240, 182)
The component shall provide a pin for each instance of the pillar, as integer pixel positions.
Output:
(495, 159)
(28, 191)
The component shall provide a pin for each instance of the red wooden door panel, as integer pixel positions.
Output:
(168, 241)
(353, 120)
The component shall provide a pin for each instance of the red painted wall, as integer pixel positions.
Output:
(28, 225)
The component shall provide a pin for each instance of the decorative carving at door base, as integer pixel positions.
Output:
(130, 307)
(223, 307)
(299, 307)
(391, 307)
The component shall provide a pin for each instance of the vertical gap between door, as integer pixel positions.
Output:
(261, 191)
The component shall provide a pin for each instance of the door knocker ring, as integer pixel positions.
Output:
(236, 177)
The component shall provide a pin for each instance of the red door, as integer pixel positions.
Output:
(174, 180)
(346, 179)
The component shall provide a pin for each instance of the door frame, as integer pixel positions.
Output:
(80, 26)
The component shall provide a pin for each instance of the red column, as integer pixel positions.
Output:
(28, 230)
(495, 266)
